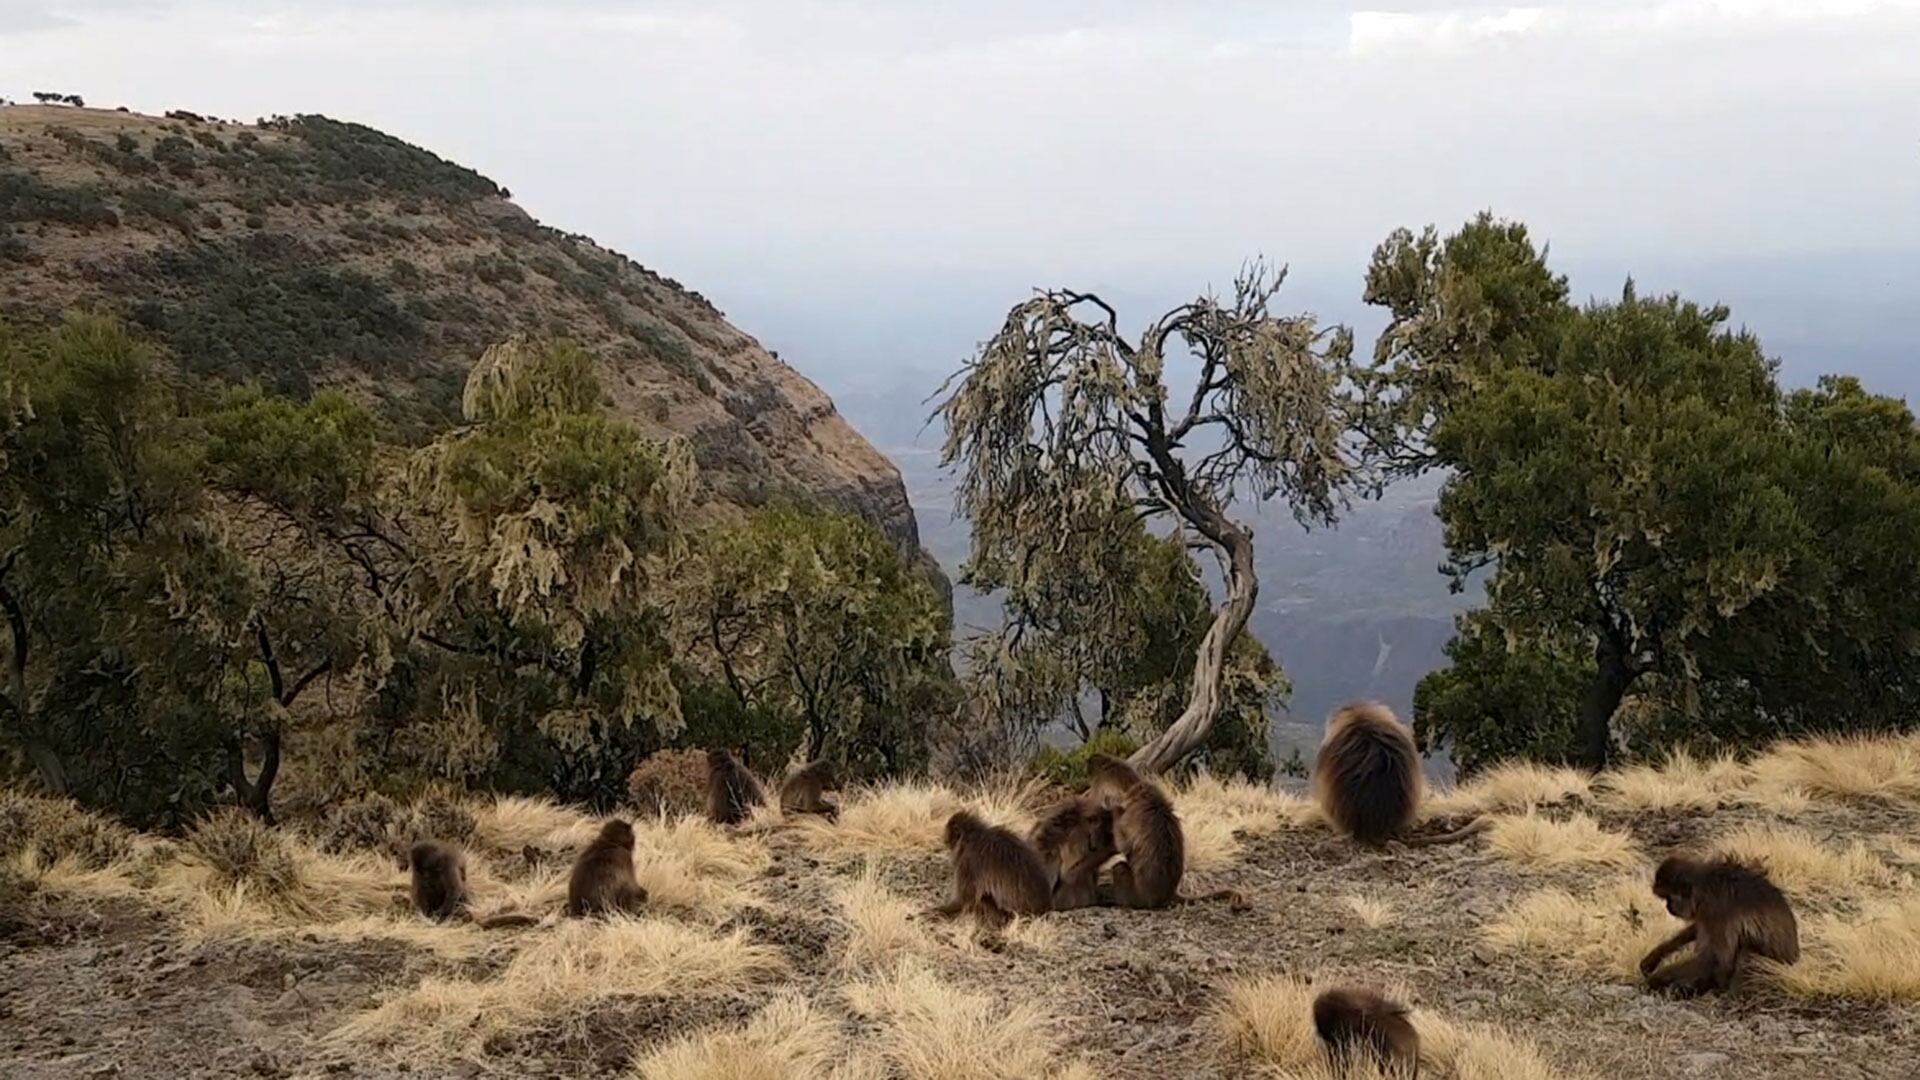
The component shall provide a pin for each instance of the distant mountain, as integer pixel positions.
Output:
(305, 251)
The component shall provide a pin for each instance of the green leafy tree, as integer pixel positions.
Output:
(1062, 426)
(813, 620)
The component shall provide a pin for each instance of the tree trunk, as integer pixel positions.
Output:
(255, 795)
(1195, 722)
(1612, 677)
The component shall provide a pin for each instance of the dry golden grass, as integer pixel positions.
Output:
(930, 1029)
(910, 817)
(574, 963)
(1603, 931)
(507, 824)
(690, 865)
(1513, 785)
(1682, 782)
(1800, 864)
(789, 1039)
(880, 925)
(1215, 814)
(1877, 767)
(1267, 1022)
(1370, 912)
(1872, 957)
(1532, 839)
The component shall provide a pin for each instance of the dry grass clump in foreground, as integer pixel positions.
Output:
(1876, 766)
(789, 1039)
(1875, 957)
(573, 963)
(930, 1029)
(1370, 912)
(879, 924)
(1682, 782)
(1800, 864)
(1535, 840)
(1604, 930)
(58, 830)
(1215, 814)
(689, 864)
(1512, 785)
(910, 817)
(1268, 1022)
(508, 824)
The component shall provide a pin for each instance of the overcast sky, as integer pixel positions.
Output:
(789, 153)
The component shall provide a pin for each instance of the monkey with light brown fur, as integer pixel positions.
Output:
(602, 881)
(732, 791)
(1147, 832)
(1075, 839)
(804, 791)
(996, 873)
(1360, 1023)
(1367, 778)
(1732, 910)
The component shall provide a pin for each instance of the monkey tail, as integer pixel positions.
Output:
(1472, 828)
(506, 920)
(1236, 900)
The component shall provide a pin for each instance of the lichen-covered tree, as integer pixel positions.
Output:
(1062, 424)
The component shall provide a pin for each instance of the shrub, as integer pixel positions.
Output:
(57, 829)
(441, 814)
(241, 850)
(671, 781)
(368, 821)
(1068, 768)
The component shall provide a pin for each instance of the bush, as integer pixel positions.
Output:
(671, 781)
(241, 850)
(441, 814)
(1068, 768)
(369, 821)
(57, 829)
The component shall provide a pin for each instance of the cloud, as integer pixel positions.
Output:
(1459, 30)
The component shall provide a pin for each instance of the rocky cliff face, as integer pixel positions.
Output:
(305, 251)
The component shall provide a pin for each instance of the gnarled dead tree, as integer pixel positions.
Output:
(1060, 424)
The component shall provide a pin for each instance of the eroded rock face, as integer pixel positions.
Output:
(304, 251)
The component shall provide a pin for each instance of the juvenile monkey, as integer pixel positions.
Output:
(1075, 840)
(1147, 833)
(602, 879)
(1367, 778)
(1361, 1023)
(996, 873)
(732, 791)
(803, 791)
(1732, 910)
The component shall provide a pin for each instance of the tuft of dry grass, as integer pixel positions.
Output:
(1682, 782)
(1532, 839)
(575, 963)
(1874, 957)
(1371, 912)
(508, 824)
(879, 924)
(687, 863)
(1797, 862)
(1865, 767)
(58, 830)
(1513, 785)
(1215, 814)
(1604, 930)
(930, 1029)
(789, 1039)
(910, 817)
(1268, 1021)
(241, 851)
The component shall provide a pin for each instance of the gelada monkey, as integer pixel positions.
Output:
(1367, 778)
(1147, 832)
(732, 791)
(439, 887)
(804, 791)
(1356, 1023)
(602, 880)
(996, 873)
(1075, 839)
(1732, 910)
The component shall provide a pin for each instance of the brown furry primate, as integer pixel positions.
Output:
(804, 791)
(602, 879)
(1075, 839)
(1359, 1023)
(439, 879)
(996, 873)
(1732, 910)
(1147, 832)
(1367, 778)
(439, 888)
(732, 791)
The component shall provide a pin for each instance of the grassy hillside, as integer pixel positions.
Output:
(793, 949)
(306, 251)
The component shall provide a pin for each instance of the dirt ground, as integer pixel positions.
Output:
(106, 988)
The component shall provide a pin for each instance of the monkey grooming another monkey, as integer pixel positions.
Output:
(1732, 910)
(732, 791)
(1147, 832)
(1075, 839)
(803, 791)
(996, 873)
(1355, 1022)
(602, 879)
(1367, 778)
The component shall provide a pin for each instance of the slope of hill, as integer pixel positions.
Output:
(308, 251)
(797, 949)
